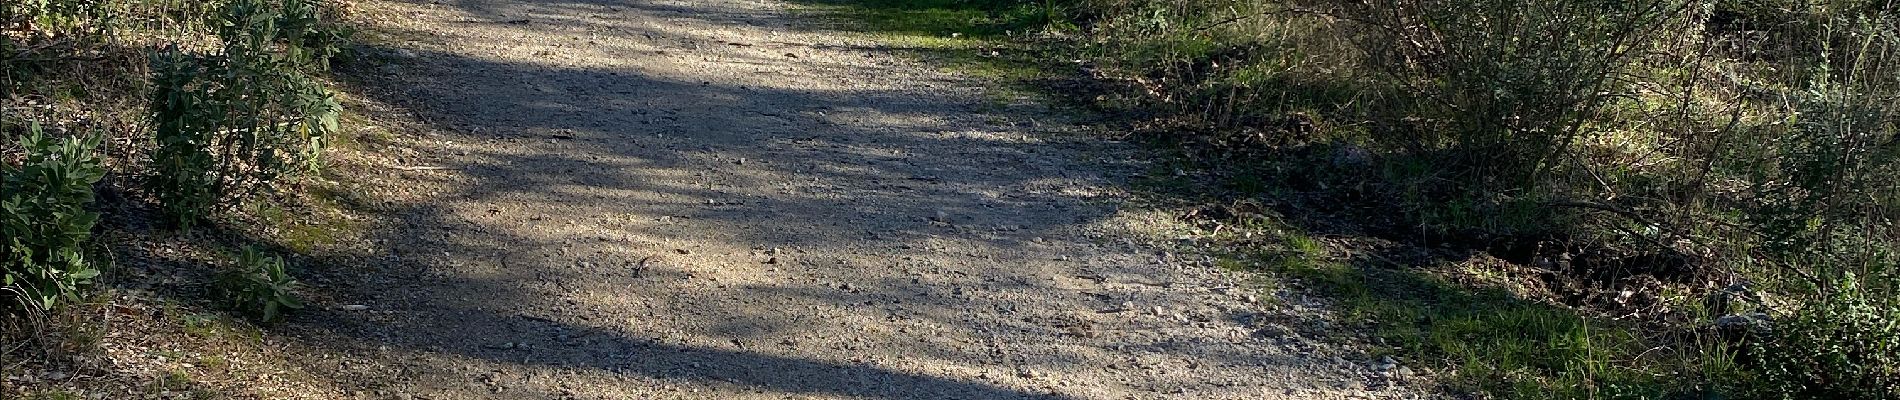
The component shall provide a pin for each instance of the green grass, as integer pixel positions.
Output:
(1486, 340)
(55, 395)
(991, 39)
(941, 18)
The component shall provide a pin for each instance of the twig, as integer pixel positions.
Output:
(418, 168)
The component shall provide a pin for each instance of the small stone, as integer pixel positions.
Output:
(354, 307)
(772, 260)
(683, 251)
(1274, 331)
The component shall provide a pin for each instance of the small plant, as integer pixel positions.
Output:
(260, 285)
(1844, 347)
(303, 25)
(230, 124)
(43, 217)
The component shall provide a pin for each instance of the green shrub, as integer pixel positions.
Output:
(229, 124)
(1508, 86)
(43, 218)
(58, 17)
(259, 285)
(1846, 346)
(1823, 195)
(306, 27)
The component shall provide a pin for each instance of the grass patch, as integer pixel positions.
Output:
(1490, 341)
(941, 18)
(998, 40)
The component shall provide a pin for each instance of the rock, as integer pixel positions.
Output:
(1274, 331)
(354, 307)
(1738, 326)
(1349, 155)
(683, 251)
(1386, 363)
(772, 260)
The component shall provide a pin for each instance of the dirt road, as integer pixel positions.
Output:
(722, 199)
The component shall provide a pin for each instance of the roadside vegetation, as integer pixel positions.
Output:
(1529, 199)
(146, 121)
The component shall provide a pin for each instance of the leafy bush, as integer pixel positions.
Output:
(305, 25)
(228, 124)
(259, 285)
(43, 218)
(1822, 197)
(57, 17)
(1846, 347)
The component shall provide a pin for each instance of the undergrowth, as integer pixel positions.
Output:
(193, 106)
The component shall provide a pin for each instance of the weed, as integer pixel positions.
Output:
(44, 219)
(1846, 347)
(259, 285)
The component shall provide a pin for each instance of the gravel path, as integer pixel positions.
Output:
(719, 199)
